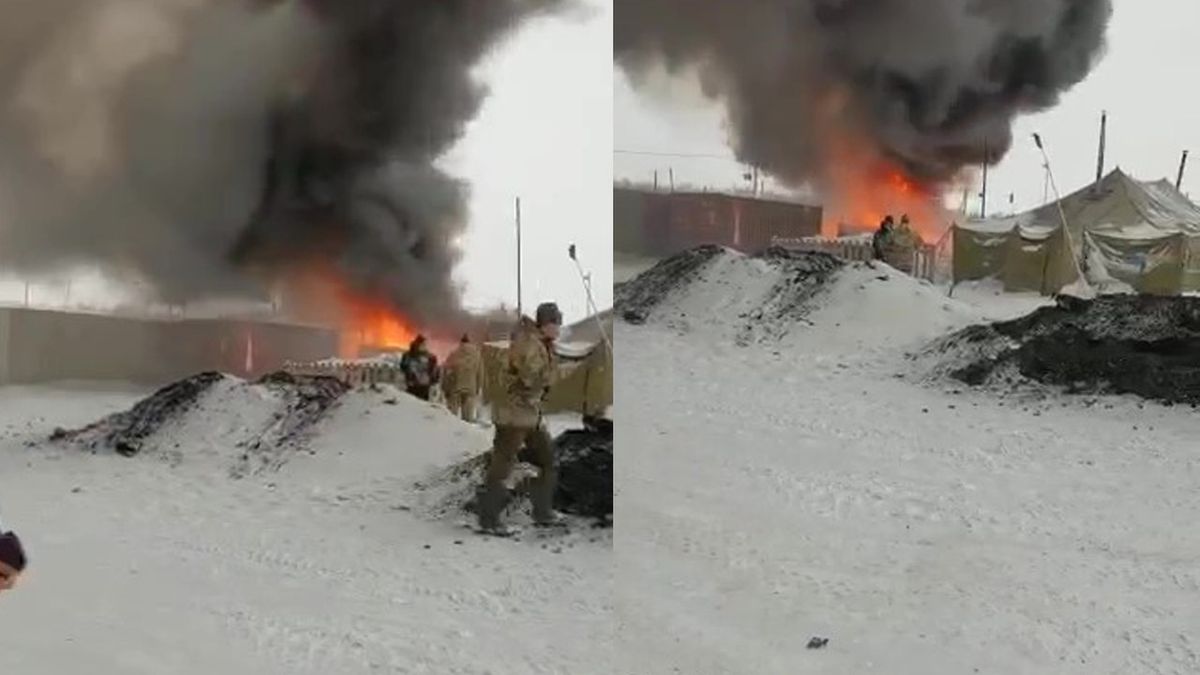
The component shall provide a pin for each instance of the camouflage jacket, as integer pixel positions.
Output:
(463, 370)
(529, 371)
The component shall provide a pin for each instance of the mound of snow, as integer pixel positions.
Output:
(251, 426)
(806, 298)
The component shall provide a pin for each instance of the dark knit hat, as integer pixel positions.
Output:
(11, 551)
(548, 313)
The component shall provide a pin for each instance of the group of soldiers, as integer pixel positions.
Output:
(529, 371)
(894, 244)
(461, 381)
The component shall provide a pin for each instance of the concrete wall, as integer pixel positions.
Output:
(43, 346)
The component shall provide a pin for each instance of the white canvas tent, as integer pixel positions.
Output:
(1145, 234)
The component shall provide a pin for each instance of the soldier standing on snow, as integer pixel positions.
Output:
(420, 369)
(529, 371)
(464, 379)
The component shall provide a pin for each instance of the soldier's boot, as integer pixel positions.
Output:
(490, 504)
(541, 494)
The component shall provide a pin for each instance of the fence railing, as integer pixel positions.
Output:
(352, 373)
(920, 263)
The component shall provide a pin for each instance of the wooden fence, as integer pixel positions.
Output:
(922, 263)
(353, 373)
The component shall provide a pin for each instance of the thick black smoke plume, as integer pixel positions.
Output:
(934, 85)
(211, 145)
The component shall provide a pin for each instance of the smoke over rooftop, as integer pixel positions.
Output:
(213, 145)
(929, 86)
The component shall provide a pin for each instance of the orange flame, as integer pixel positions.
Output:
(860, 185)
(372, 325)
(366, 322)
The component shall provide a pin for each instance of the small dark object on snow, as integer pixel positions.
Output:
(817, 642)
(391, 401)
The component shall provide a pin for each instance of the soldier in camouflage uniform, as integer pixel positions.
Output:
(463, 379)
(529, 372)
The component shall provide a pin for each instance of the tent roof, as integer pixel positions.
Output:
(1118, 206)
(587, 330)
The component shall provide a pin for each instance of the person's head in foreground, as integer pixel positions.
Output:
(12, 560)
(549, 320)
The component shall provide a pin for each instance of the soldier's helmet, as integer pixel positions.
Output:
(548, 313)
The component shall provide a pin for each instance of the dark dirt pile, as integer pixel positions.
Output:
(308, 398)
(585, 472)
(125, 431)
(799, 277)
(255, 441)
(802, 274)
(636, 299)
(1119, 344)
(305, 401)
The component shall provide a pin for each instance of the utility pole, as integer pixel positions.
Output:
(671, 176)
(1100, 154)
(983, 194)
(519, 305)
(656, 180)
(1182, 165)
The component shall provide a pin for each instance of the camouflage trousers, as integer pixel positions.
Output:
(461, 404)
(507, 445)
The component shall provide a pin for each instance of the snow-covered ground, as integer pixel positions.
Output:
(784, 490)
(164, 564)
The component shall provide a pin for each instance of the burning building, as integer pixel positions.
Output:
(882, 106)
(656, 224)
(225, 148)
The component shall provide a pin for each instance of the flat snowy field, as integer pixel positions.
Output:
(784, 490)
(163, 564)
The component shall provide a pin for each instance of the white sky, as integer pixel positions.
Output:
(1145, 82)
(545, 134)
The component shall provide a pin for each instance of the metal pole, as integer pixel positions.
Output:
(586, 279)
(983, 194)
(519, 305)
(1182, 164)
(1075, 255)
(1100, 156)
